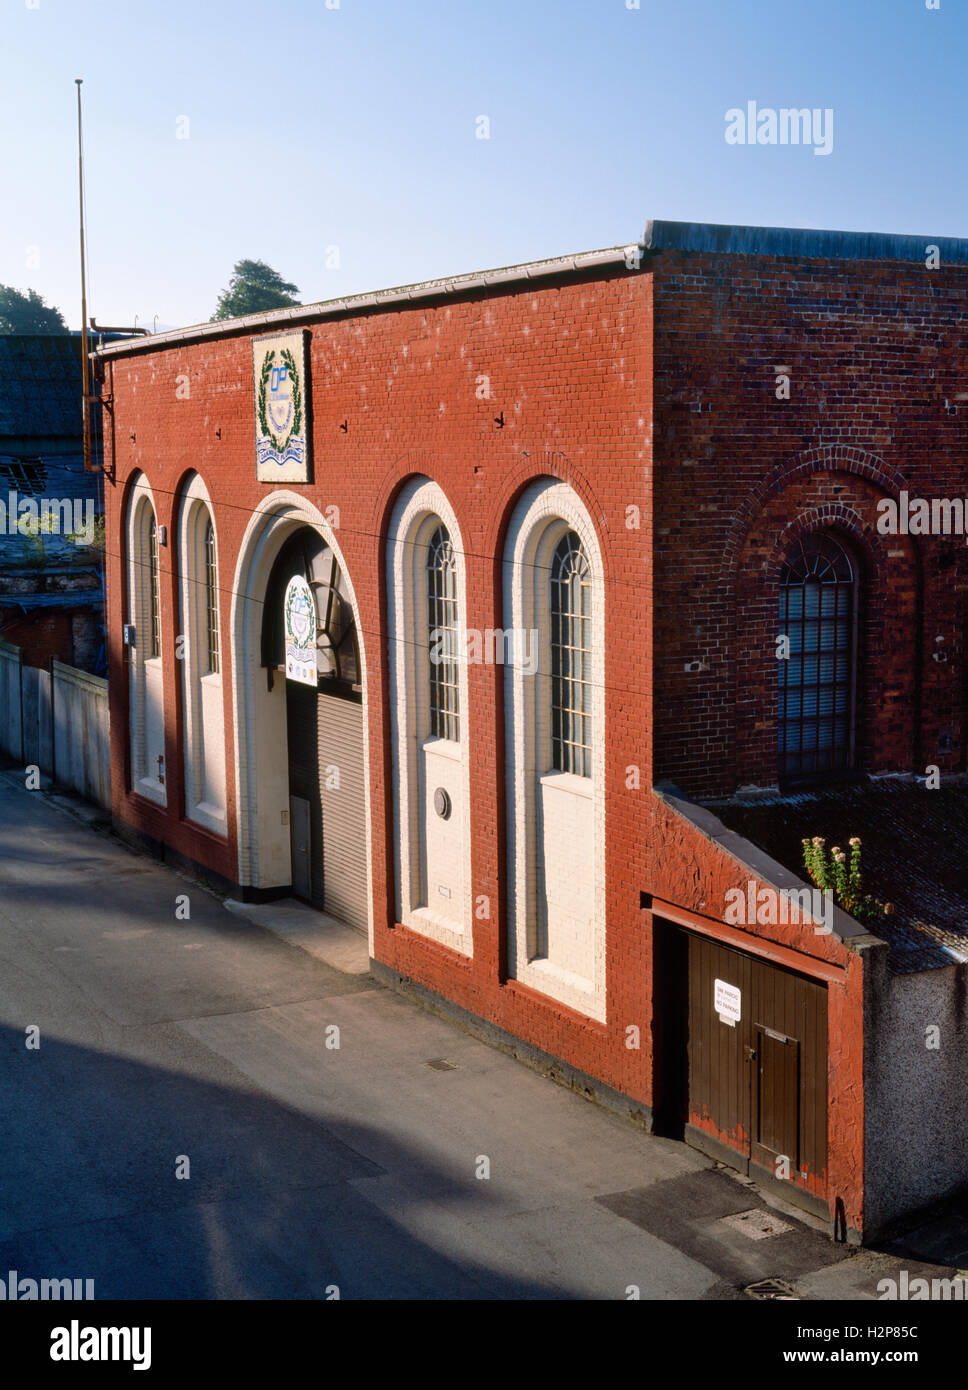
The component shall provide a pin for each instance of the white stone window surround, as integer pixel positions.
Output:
(146, 702)
(421, 507)
(203, 723)
(546, 510)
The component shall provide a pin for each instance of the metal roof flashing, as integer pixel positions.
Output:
(801, 243)
(525, 273)
(795, 243)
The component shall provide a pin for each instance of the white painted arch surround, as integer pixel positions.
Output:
(546, 510)
(261, 757)
(422, 504)
(146, 687)
(202, 694)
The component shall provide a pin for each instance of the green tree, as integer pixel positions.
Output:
(254, 287)
(27, 313)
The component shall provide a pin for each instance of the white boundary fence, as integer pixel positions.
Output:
(58, 720)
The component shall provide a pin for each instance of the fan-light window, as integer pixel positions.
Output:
(817, 614)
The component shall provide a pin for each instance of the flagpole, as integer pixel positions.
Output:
(85, 366)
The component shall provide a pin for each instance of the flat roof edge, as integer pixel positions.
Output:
(800, 242)
(402, 294)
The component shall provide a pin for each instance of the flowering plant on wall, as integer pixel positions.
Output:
(841, 873)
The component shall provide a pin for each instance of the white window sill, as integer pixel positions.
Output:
(209, 817)
(442, 747)
(444, 930)
(151, 788)
(569, 782)
(546, 968)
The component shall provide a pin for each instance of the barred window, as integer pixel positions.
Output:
(211, 599)
(571, 656)
(154, 591)
(443, 630)
(817, 613)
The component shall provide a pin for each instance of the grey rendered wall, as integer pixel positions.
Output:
(916, 1095)
(57, 720)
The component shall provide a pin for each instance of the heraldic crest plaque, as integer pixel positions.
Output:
(281, 395)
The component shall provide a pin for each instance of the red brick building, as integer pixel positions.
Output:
(584, 544)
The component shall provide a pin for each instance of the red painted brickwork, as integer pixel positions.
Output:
(570, 373)
(694, 873)
(876, 356)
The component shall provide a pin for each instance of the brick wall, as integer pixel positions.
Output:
(41, 635)
(398, 393)
(876, 355)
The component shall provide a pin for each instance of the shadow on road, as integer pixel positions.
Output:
(275, 1206)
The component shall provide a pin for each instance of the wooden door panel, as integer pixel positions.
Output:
(719, 1067)
(776, 1099)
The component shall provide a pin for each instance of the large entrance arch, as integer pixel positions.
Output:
(331, 761)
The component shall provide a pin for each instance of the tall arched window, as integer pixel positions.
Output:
(443, 633)
(146, 705)
(202, 717)
(154, 591)
(818, 612)
(571, 658)
(428, 724)
(211, 601)
(554, 602)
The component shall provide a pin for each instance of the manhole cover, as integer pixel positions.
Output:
(777, 1289)
(441, 1064)
(757, 1224)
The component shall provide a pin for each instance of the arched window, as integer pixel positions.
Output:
(571, 658)
(202, 714)
(428, 696)
(553, 609)
(146, 705)
(443, 635)
(818, 610)
(211, 600)
(154, 591)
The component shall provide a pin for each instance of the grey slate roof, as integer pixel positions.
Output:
(914, 854)
(57, 478)
(40, 386)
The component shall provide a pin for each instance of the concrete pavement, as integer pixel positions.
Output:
(322, 1144)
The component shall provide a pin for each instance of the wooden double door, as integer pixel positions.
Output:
(745, 1061)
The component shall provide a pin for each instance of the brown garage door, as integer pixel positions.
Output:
(757, 1065)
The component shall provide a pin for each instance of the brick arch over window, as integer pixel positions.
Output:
(884, 649)
(843, 521)
(829, 458)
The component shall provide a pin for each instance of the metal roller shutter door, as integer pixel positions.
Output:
(340, 746)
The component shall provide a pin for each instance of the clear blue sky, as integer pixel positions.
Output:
(355, 127)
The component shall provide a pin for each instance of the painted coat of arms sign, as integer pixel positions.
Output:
(300, 629)
(281, 433)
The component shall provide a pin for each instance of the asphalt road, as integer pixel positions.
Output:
(199, 1047)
